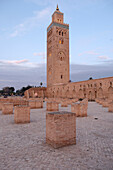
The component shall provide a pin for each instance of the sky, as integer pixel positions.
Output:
(23, 36)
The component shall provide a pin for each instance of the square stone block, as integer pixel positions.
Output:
(75, 100)
(7, 108)
(39, 104)
(105, 104)
(60, 128)
(75, 108)
(52, 106)
(69, 101)
(22, 114)
(32, 104)
(1, 105)
(80, 109)
(23, 102)
(85, 101)
(64, 104)
(83, 109)
(101, 101)
(97, 100)
(110, 108)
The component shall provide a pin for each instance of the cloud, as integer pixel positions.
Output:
(31, 22)
(103, 57)
(88, 53)
(83, 72)
(23, 64)
(13, 61)
(19, 76)
(41, 54)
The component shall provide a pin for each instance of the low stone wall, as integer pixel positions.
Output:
(61, 100)
(52, 106)
(22, 114)
(15, 100)
(7, 108)
(60, 129)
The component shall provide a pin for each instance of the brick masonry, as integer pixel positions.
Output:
(60, 128)
(34, 104)
(110, 108)
(22, 114)
(52, 106)
(7, 108)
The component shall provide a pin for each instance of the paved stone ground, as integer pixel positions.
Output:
(23, 146)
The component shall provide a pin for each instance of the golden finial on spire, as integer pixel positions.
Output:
(57, 8)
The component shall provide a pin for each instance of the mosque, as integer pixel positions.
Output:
(58, 69)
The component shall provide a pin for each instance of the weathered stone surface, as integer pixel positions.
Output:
(60, 128)
(22, 114)
(110, 108)
(1, 105)
(64, 103)
(80, 108)
(52, 106)
(32, 104)
(7, 108)
(35, 104)
(39, 104)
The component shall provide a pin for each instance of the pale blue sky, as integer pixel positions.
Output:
(23, 26)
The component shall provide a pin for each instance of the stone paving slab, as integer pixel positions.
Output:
(23, 146)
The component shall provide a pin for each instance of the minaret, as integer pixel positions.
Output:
(57, 50)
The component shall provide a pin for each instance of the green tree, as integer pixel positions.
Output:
(41, 83)
(90, 78)
(21, 91)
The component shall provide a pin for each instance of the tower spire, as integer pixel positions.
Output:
(57, 8)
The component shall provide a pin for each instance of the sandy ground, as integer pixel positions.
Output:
(23, 146)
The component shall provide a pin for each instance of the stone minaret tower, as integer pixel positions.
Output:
(57, 50)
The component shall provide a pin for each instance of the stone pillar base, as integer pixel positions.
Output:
(80, 109)
(52, 106)
(110, 108)
(60, 129)
(35, 104)
(64, 104)
(22, 114)
(7, 108)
